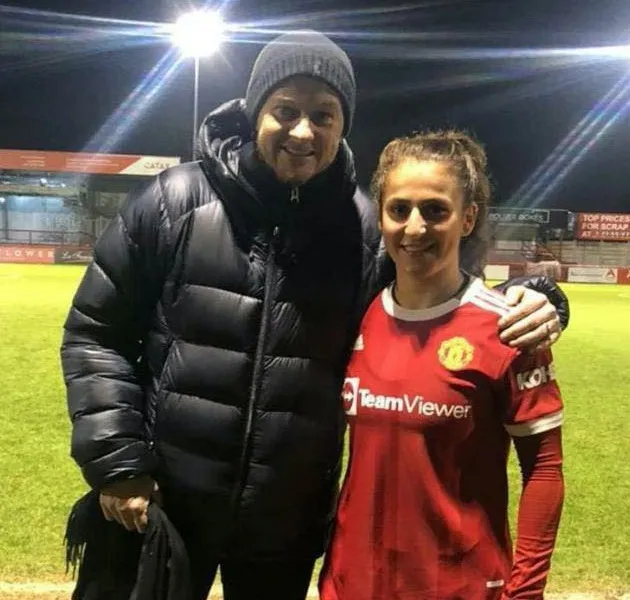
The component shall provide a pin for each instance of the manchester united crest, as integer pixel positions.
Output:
(456, 353)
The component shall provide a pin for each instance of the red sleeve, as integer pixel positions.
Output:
(534, 404)
(540, 458)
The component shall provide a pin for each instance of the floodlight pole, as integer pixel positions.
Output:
(192, 33)
(195, 107)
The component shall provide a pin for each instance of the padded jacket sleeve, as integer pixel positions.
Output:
(101, 347)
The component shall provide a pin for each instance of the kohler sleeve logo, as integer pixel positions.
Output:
(536, 377)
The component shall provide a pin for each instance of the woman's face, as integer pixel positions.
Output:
(423, 217)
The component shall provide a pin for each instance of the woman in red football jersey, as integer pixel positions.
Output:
(433, 398)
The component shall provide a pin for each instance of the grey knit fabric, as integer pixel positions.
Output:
(301, 53)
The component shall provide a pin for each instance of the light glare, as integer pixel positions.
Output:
(198, 33)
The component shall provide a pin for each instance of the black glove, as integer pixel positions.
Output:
(546, 286)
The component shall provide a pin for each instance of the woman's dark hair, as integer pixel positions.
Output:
(468, 163)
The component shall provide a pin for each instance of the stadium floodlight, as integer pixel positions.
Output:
(197, 34)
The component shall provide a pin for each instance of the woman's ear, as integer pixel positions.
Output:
(470, 219)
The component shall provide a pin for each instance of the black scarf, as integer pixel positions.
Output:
(116, 564)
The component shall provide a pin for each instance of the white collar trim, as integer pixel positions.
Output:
(426, 314)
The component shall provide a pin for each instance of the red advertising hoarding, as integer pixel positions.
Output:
(612, 227)
(623, 276)
(84, 162)
(27, 254)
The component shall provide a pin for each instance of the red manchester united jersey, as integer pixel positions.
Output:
(431, 398)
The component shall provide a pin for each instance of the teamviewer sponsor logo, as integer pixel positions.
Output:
(354, 396)
(350, 394)
(536, 377)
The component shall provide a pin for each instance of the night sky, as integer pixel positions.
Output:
(433, 63)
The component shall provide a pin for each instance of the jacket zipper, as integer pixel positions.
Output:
(295, 195)
(270, 272)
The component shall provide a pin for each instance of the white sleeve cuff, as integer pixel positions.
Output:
(537, 426)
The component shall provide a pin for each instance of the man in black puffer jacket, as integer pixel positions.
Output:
(206, 345)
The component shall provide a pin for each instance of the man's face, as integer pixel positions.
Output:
(299, 129)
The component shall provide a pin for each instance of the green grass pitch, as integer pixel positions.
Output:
(39, 482)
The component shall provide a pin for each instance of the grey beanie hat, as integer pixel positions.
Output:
(301, 53)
